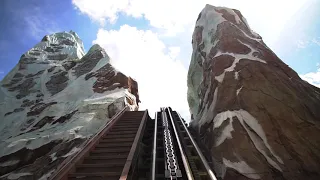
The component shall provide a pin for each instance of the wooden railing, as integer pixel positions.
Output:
(68, 165)
(134, 148)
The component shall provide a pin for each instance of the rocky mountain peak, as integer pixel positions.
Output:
(69, 42)
(256, 116)
(54, 99)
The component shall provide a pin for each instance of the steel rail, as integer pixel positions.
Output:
(68, 163)
(154, 151)
(183, 155)
(203, 160)
(171, 161)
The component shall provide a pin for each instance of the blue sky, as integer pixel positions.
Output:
(25, 23)
(147, 38)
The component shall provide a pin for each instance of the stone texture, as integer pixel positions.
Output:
(68, 65)
(64, 118)
(89, 61)
(39, 161)
(51, 69)
(256, 116)
(34, 75)
(38, 108)
(109, 79)
(42, 122)
(58, 57)
(57, 82)
(23, 89)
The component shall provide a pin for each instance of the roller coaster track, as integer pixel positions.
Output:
(134, 146)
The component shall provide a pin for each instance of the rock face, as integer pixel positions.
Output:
(256, 116)
(53, 100)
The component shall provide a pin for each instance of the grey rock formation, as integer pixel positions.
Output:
(54, 99)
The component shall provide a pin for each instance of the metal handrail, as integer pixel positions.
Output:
(183, 156)
(154, 151)
(204, 161)
(68, 161)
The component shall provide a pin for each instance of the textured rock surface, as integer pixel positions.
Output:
(254, 113)
(54, 99)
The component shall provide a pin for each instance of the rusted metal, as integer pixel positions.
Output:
(68, 165)
(126, 169)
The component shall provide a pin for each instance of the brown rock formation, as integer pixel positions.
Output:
(259, 119)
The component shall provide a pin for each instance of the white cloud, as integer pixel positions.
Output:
(174, 52)
(307, 42)
(172, 16)
(316, 41)
(268, 18)
(162, 79)
(302, 44)
(38, 26)
(37, 22)
(101, 10)
(312, 77)
(154, 56)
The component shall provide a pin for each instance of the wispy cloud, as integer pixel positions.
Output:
(316, 41)
(33, 18)
(302, 44)
(313, 77)
(1, 72)
(39, 25)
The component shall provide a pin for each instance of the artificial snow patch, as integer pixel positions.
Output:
(236, 75)
(237, 57)
(53, 156)
(238, 90)
(18, 175)
(210, 24)
(9, 163)
(220, 77)
(225, 134)
(207, 114)
(231, 11)
(71, 152)
(46, 176)
(243, 168)
(246, 119)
